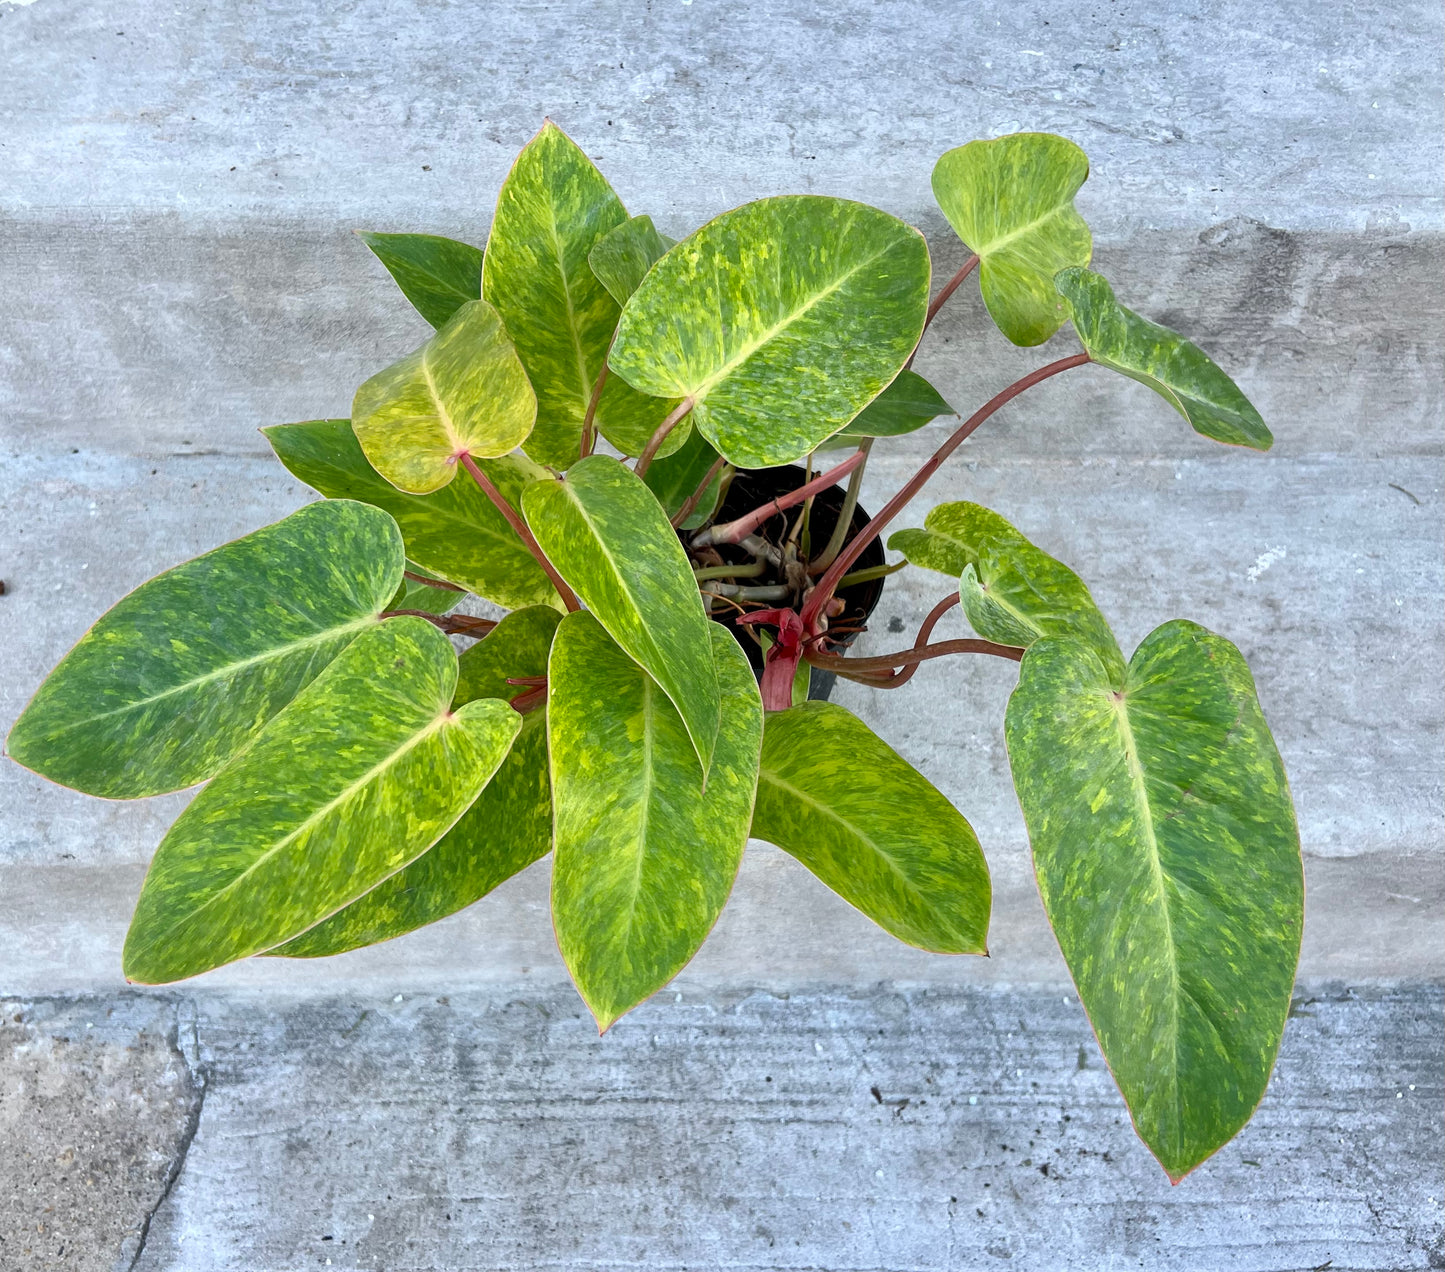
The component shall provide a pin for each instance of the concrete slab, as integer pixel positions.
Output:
(873, 1129)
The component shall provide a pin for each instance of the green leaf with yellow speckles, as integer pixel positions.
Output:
(454, 533)
(553, 208)
(438, 275)
(181, 674)
(505, 831)
(646, 853)
(464, 390)
(782, 319)
(674, 478)
(359, 775)
(904, 406)
(608, 537)
(1012, 592)
(875, 830)
(1178, 371)
(622, 256)
(1011, 200)
(1168, 859)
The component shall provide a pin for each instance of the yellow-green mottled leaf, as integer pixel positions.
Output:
(646, 854)
(438, 275)
(359, 775)
(1168, 860)
(181, 674)
(674, 478)
(1179, 372)
(464, 390)
(870, 826)
(1012, 592)
(622, 256)
(608, 537)
(904, 406)
(454, 533)
(1011, 200)
(553, 207)
(503, 832)
(782, 319)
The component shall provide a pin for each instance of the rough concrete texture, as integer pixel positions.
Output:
(877, 1129)
(177, 187)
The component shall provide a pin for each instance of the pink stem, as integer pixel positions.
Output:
(734, 531)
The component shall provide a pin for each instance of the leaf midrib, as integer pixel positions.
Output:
(1156, 865)
(1004, 240)
(311, 820)
(229, 669)
(701, 392)
(768, 775)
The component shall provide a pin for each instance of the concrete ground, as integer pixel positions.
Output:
(177, 187)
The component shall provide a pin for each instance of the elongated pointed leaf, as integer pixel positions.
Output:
(904, 406)
(553, 207)
(454, 533)
(363, 772)
(1168, 861)
(870, 826)
(674, 479)
(438, 275)
(608, 537)
(1011, 200)
(464, 390)
(181, 674)
(1180, 372)
(1012, 592)
(502, 833)
(782, 319)
(622, 256)
(646, 856)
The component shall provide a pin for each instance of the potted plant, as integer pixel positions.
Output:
(363, 780)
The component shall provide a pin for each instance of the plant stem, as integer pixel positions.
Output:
(589, 435)
(823, 593)
(736, 531)
(872, 572)
(949, 288)
(430, 582)
(691, 502)
(654, 443)
(766, 592)
(845, 518)
(730, 571)
(514, 519)
(908, 657)
(897, 679)
(452, 624)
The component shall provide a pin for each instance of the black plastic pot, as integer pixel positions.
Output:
(751, 489)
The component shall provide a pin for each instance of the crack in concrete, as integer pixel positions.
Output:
(187, 1051)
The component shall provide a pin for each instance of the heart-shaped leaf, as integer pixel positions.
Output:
(455, 533)
(438, 275)
(502, 833)
(674, 479)
(870, 826)
(646, 854)
(1011, 200)
(607, 536)
(1012, 592)
(553, 207)
(1168, 860)
(622, 256)
(781, 319)
(464, 390)
(359, 775)
(904, 406)
(181, 674)
(1179, 372)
